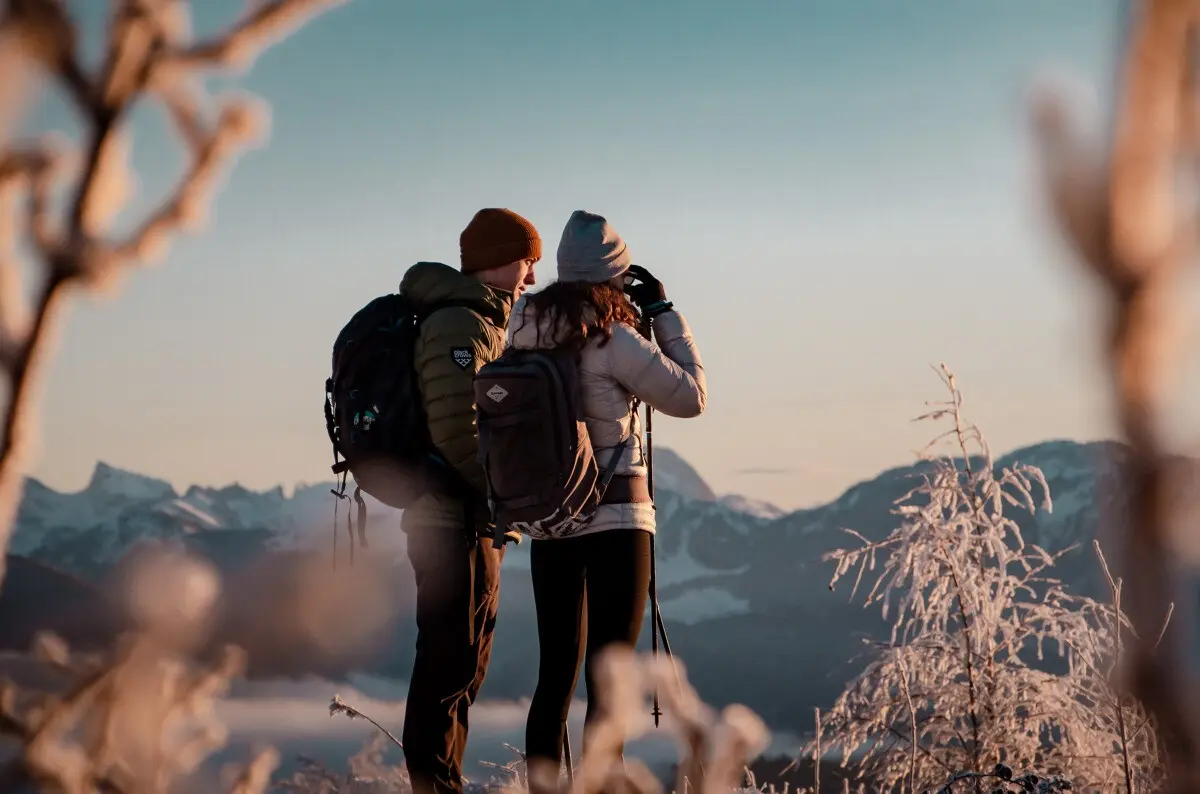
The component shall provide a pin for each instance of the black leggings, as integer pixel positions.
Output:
(589, 591)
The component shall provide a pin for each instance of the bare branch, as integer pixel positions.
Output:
(1142, 209)
(48, 35)
(122, 703)
(241, 44)
(143, 57)
(1126, 221)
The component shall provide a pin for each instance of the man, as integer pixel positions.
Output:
(457, 571)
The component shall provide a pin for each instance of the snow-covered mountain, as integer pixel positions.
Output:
(673, 473)
(88, 530)
(741, 584)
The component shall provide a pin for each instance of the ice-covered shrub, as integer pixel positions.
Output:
(962, 684)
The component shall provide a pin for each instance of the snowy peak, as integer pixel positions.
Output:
(755, 507)
(113, 482)
(87, 530)
(673, 473)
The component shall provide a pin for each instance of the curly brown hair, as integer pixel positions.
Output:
(584, 309)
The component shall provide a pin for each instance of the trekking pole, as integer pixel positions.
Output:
(658, 627)
(656, 710)
(648, 452)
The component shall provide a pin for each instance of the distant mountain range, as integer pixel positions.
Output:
(741, 583)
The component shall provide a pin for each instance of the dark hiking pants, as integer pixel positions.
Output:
(589, 591)
(458, 588)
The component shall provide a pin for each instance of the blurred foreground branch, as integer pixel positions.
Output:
(140, 717)
(150, 53)
(1126, 218)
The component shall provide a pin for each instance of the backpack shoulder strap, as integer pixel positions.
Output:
(611, 468)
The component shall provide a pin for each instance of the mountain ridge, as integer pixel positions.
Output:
(745, 595)
(671, 472)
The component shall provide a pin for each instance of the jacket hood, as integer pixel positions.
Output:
(427, 283)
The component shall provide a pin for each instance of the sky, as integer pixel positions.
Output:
(837, 196)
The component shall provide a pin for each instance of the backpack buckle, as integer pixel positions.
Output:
(499, 536)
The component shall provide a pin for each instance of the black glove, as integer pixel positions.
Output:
(647, 292)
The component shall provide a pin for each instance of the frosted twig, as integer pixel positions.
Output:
(339, 706)
(1119, 704)
(817, 752)
(912, 713)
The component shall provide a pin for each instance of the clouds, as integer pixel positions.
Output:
(293, 714)
(282, 708)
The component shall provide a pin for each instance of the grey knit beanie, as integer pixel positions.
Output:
(591, 250)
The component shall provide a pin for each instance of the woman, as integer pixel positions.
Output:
(590, 589)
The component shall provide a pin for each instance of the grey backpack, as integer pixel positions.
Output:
(543, 478)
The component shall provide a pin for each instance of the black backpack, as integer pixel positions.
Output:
(542, 475)
(373, 410)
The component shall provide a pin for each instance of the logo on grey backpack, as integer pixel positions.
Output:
(497, 393)
(462, 356)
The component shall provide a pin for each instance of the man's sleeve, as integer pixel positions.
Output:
(453, 346)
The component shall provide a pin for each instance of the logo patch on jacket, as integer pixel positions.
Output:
(464, 357)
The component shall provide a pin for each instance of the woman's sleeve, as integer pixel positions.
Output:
(668, 378)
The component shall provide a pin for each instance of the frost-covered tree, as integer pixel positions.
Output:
(965, 682)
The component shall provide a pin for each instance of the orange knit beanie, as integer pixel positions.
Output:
(496, 237)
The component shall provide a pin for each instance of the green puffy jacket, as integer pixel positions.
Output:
(454, 343)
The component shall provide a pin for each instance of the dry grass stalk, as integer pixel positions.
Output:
(141, 718)
(1127, 222)
(339, 706)
(368, 774)
(715, 749)
(817, 751)
(150, 53)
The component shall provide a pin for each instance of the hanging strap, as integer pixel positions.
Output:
(340, 494)
(609, 471)
(362, 517)
(335, 512)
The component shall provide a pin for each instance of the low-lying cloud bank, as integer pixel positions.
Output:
(293, 715)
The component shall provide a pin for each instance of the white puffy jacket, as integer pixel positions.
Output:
(668, 377)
